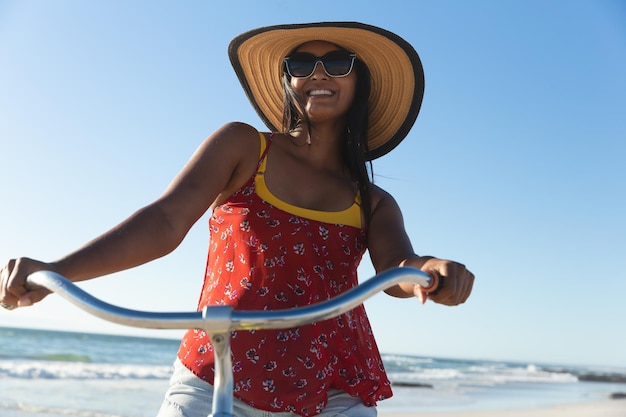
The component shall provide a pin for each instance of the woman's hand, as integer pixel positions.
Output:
(13, 289)
(455, 282)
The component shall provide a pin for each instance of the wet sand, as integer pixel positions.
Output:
(608, 408)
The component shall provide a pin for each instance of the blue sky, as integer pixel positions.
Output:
(515, 165)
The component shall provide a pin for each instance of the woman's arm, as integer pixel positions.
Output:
(219, 166)
(389, 247)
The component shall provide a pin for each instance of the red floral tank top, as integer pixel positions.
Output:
(265, 257)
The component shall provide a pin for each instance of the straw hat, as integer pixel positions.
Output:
(396, 71)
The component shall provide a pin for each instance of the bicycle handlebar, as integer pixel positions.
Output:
(219, 321)
(224, 318)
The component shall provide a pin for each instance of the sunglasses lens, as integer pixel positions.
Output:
(336, 64)
(301, 64)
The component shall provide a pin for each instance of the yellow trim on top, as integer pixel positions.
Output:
(349, 217)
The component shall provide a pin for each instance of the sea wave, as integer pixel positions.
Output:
(80, 370)
(438, 372)
(59, 357)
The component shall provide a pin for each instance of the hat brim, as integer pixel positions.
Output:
(397, 76)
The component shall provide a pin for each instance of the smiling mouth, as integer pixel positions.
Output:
(318, 93)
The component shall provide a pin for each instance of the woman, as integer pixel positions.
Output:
(293, 212)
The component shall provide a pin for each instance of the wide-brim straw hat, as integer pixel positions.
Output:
(397, 76)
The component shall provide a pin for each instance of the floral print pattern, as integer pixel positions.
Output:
(261, 257)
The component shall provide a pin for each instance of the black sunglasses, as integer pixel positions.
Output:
(335, 64)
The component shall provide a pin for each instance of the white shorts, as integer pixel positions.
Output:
(189, 396)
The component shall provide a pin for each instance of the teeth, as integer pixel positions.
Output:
(321, 93)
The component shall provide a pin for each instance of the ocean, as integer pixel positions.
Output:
(59, 374)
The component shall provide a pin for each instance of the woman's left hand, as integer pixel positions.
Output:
(455, 281)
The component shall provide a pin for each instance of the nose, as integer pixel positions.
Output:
(319, 72)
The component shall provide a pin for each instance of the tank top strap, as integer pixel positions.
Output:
(265, 147)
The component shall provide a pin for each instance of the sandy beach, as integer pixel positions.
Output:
(608, 408)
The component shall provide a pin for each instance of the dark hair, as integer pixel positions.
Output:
(355, 150)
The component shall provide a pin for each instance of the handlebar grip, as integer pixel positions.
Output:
(436, 283)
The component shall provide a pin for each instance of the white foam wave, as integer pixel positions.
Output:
(482, 375)
(77, 370)
(406, 360)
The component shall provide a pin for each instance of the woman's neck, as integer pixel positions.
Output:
(322, 146)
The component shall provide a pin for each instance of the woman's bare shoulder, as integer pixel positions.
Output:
(233, 150)
(237, 142)
(380, 198)
(239, 133)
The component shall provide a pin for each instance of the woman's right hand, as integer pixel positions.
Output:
(13, 289)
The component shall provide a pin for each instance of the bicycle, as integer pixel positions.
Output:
(220, 321)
